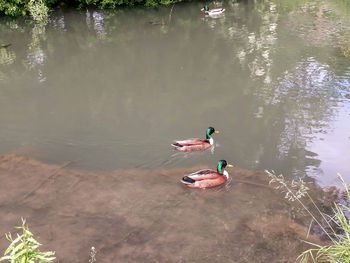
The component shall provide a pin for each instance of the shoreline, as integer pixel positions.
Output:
(16, 10)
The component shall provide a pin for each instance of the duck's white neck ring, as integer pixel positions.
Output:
(211, 141)
(225, 173)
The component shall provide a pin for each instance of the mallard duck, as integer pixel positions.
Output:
(213, 12)
(196, 144)
(208, 178)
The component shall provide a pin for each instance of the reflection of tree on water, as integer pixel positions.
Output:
(304, 98)
(58, 22)
(36, 56)
(285, 90)
(293, 102)
(7, 57)
(289, 100)
(95, 19)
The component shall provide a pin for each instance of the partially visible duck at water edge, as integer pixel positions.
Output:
(213, 12)
(195, 144)
(208, 178)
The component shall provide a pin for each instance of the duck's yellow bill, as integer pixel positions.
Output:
(229, 165)
(216, 132)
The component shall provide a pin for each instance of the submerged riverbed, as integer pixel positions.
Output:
(106, 93)
(148, 216)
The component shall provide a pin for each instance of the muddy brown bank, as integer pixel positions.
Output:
(147, 216)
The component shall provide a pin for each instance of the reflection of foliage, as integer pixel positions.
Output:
(293, 5)
(6, 56)
(286, 84)
(308, 107)
(345, 46)
(116, 3)
(36, 55)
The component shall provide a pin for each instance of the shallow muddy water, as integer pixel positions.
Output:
(110, 90)
(148, 216)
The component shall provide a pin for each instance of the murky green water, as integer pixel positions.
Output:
(109, 90)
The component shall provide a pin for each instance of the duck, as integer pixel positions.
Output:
(208, 178)
(212, 12)
(196, 144)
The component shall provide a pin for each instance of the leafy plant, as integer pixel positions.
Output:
(13, 8)
(38, 10)
(24, 248)
(93, 253)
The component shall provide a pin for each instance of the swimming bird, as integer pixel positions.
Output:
(195, 144)
(212, 12)
(208, 178)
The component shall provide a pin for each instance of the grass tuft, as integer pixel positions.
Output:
(335, 226)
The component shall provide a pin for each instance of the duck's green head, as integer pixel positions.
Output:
(222, 164)
(209, 132)
(206, 8)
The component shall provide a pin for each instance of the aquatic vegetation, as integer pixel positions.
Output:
(24, 248)
(335, 226)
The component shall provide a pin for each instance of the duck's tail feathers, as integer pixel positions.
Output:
(176, 144)
(187, 180)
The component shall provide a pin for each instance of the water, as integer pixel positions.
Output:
(109, 90)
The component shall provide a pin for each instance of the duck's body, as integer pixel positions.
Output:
(213, 12)
(207, 178)
(196, 144)
(204, 179)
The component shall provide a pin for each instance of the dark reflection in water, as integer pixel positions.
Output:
(112, 89)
